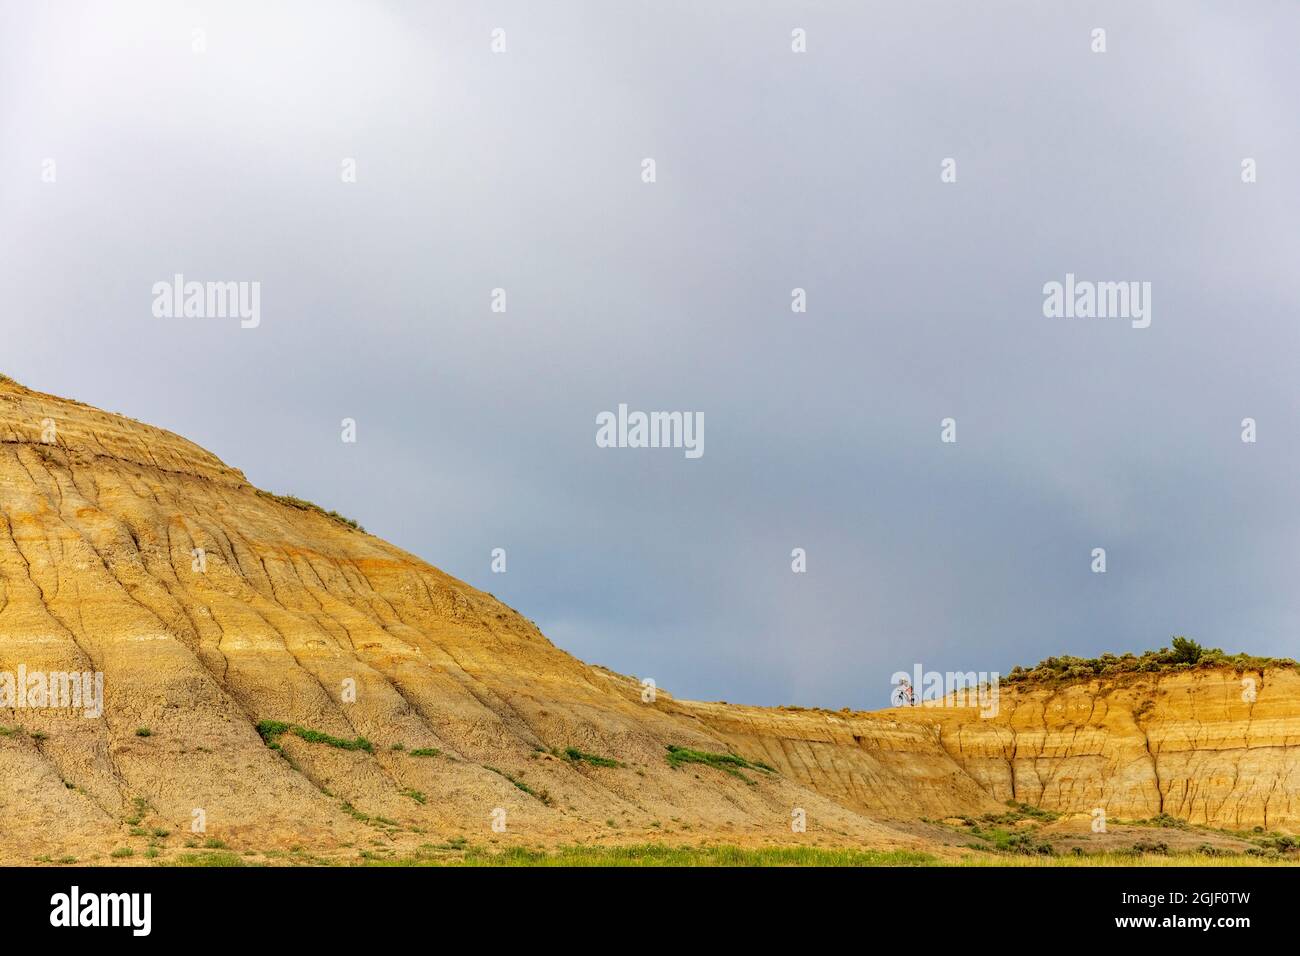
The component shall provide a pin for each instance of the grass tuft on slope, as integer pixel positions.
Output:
(271, 730)
(302, 504)
(728, 763)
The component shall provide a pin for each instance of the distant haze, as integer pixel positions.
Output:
(775, 170)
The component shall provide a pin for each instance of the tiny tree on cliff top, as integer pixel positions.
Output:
(1186, 651)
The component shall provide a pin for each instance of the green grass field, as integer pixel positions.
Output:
(660, 855)
(1122, 859)
(653, 854)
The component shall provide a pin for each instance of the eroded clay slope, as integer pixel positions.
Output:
(1213, 746)
(98, 531)
(466, 707)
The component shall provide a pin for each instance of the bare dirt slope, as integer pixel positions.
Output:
(1188, 744)
(464, 706)
(97, 534)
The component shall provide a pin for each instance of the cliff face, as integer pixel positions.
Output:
(424, 707)
(1197, 745)
(882, 765)
(295, 618)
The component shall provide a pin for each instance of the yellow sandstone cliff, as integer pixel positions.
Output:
(426, 708)
(1189, 744)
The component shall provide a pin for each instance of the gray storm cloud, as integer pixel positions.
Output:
(522, 171)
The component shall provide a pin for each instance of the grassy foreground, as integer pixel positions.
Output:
(1121, 859)
(654, 854)
(659, 855)
(650, 854)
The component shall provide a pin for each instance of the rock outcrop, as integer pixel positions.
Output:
(210, 607)
(1215, 746)
(406, 704)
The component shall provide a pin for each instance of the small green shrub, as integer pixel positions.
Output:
(1163, 820)
(273, 729)
(1014, 841)
(1184, 654)
(1018, 813)
(1146, 846)
(728, 763)
(541, 795)
(302, 504)
(354, 813)
(574, 755)
(209, 859)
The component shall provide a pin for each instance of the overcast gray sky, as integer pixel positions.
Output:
(522, 170)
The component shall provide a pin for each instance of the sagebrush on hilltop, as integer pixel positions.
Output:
(1183, 654)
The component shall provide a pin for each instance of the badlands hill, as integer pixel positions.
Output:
(307, 685)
